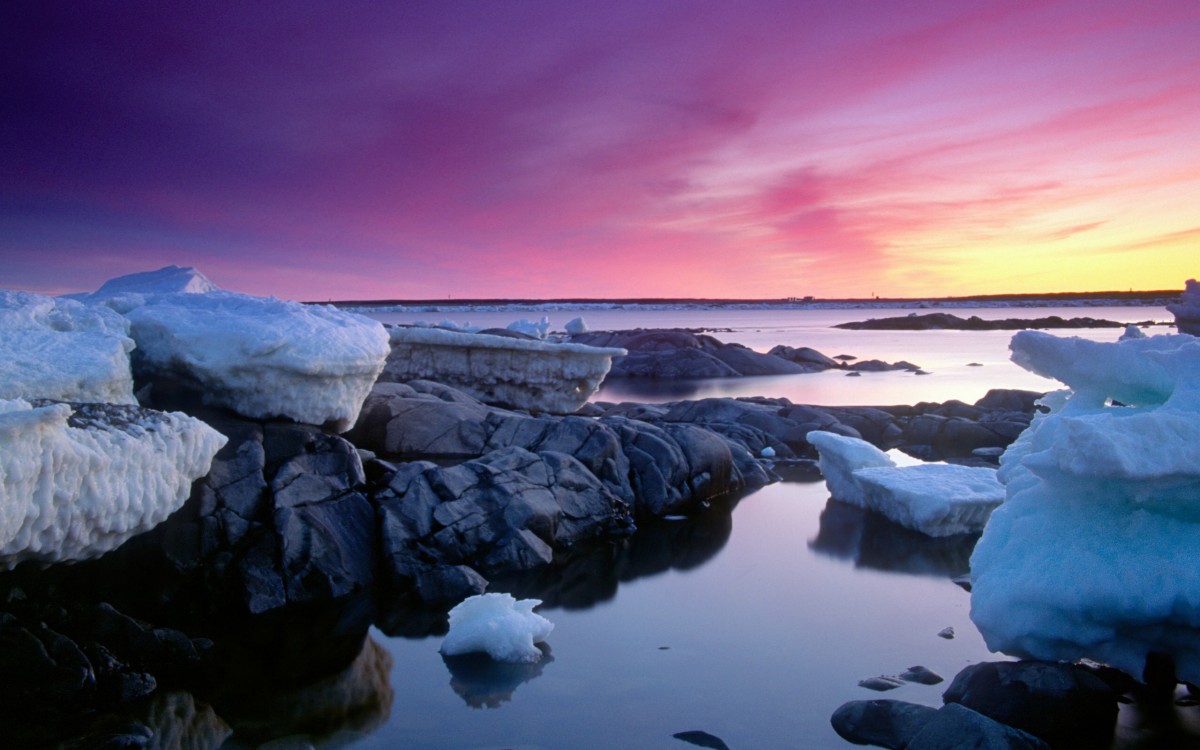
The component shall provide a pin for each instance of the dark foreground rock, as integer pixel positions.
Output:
(947, 321)
(1001, 705)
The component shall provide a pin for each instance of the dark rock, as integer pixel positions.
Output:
(803, 355)
(947, 321)
(886, 723)
(921, 675)
(1063, 704)
(955, 727)
(882, 683)
(701, 739)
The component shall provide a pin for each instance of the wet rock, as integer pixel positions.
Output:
(882, 683)
(921, 675)
(1063, 704)
(886, 723)
(954, 727)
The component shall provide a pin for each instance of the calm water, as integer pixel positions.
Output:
(752, 625)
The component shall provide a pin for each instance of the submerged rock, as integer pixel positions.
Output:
(886, 723)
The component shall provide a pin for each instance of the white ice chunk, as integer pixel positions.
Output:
(61, 349)
(1187, 309)
(503, 627)
(934, 499)
(79, 481)
(576, 326)
(519, 373)
(537, 330)
(166, 280)
(262, 357)
(1094, 552)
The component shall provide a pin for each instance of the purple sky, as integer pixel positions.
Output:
(625, 148)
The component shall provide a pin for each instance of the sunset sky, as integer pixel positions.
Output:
(624, 148)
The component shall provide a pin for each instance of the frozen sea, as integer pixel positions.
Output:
(753, 622)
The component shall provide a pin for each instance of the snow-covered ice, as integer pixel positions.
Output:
(1187, 309)
(934, 499)
(537, 330)
(507, 629)
(519, 373)
(1094, 552)
(576, 326)
(62, 349)
(166, 280)
(77, 481)
(262, 357)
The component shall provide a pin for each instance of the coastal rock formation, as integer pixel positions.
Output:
(654, 468)
(1102, 491)
(77, 480)
(1187, 309)
(62, 349)
(261, 357)
(947, 321)
(514, 371)
(934, 499)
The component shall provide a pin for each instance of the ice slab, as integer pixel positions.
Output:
(935, 499)
(61, 349)
(78, 480)
(262, 357)
(519, 373)
(1094, 552)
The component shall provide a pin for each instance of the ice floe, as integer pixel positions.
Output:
(507, 629)
(515, 372)
(78, 480)
(934, 499)
(262, 357)
(1094, 552)
(62, 349)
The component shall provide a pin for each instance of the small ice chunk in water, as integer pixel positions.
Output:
(503, 627)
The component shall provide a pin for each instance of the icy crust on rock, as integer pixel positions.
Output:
(1094, 552)
(507, 629)
(1187, 309)
(262, 357)
(518, 373)
(79, 480)
(166, 280)
(934, 499)
(63, 349)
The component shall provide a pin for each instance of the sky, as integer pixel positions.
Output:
(627, 148)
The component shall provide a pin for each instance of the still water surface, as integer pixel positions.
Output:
(752, 625)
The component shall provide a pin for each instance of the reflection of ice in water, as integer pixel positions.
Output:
(872, 541)
(483, 682)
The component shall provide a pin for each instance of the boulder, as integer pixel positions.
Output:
(955, 727)
(1063, 704)
(886, 723)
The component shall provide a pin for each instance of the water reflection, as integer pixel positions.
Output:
(872, 541)
(483, 682)
(590, 575)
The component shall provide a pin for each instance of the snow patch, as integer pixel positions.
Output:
(934, 499)
(78, 480)
(1093, 554)
(503, 627)
(1187, 309)
(62, 349)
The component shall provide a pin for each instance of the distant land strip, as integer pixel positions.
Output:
(1160, 297)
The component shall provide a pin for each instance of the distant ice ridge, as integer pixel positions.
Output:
(62, 349)
(515, 372)
(507, 629)
(262, 357)
(1187, 309)
(166, 280)
(1094, 553)
(77, 481)
(934, 499)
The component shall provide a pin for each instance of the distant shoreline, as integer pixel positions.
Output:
(1058, 299)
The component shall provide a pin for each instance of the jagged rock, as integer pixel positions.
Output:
(671, 354)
